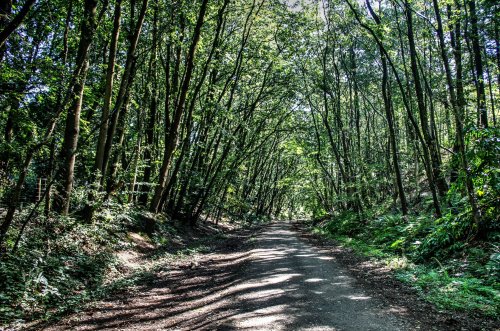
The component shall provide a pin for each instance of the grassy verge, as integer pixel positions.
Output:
(71, 264)
(453, 271)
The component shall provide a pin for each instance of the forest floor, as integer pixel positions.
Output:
(276, 278)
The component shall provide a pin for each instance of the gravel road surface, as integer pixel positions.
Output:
(277, 281)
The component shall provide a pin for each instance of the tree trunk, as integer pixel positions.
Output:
(478, 65)
(72, 130)
(429, 138)
(103, 128)
(127, 79)
(390, 121)
(171, 142)
(407, 107)
(457, 111)
(9, 28)
(153, 107)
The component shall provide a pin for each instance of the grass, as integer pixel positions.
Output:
(117, 281)
(433, 256)
(457, 293)
(61, 271)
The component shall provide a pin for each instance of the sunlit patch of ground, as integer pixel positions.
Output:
(283, 283)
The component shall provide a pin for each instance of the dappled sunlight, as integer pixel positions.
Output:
(318, 292)
(280, 278)
(297, 286)
(249, 164)
(314, 280)
(264, 294)
(262, 317)
(341, 277)
(396, 310)
(325, 258)
(358, 297)
(281, 284)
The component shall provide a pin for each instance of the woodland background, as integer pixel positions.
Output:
(377, 119)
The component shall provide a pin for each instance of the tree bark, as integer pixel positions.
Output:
(406, 103)
(153, 107)
(429, 138)
(110, 72)
(72, 130)
(9, 28)
(457, 111)
(478, 65)
(390, 121)
(171, 140)
(127, 79)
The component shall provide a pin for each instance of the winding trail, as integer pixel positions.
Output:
(281, 283)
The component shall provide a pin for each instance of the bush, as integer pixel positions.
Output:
(61, 265)
(442, 258)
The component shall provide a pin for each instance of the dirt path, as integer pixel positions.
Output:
(290, 284)
(281, 283)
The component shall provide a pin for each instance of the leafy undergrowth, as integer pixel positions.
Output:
(71, 263)
(440, 258)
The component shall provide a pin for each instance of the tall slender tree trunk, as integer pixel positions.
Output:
(390, 120)
(429, 138)
(457, 111)
(407, 106)
(153, 107)
(478, 65)
(111, 184)
(456, 42)
(103, 128)
(171, 140)
(127, 79)
(72, 129)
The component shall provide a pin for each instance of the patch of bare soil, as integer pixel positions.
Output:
(379, 281)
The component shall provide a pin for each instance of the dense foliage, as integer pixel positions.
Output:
(243, 110)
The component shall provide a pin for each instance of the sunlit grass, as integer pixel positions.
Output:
(463, 279)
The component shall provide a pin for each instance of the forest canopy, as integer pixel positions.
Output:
(247, 110)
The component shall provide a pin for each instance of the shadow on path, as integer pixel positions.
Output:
(283, 283)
